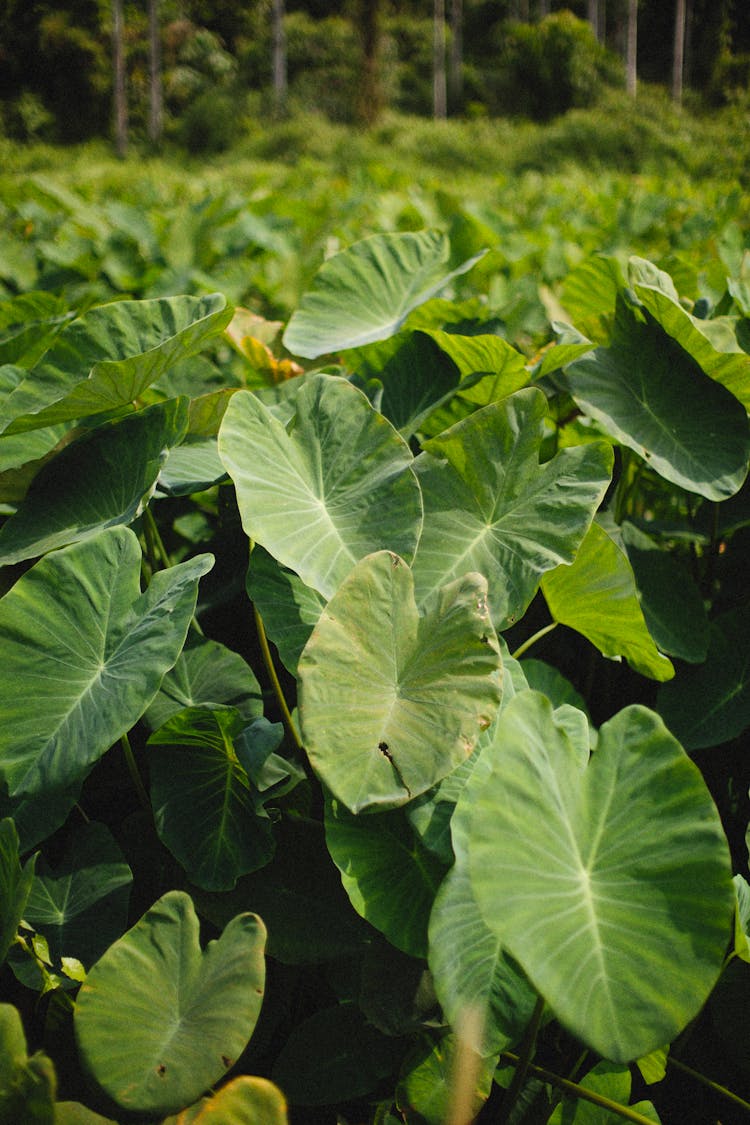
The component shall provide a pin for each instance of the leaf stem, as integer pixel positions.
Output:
(275, 683)
(523, 648)
(577, 1091)
(522, 1061)
(135, 775)
(696, 1074)
(157, 550)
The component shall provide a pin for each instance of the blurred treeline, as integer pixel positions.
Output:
(218, 64)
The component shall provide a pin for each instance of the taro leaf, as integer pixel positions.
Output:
(550, 682)
(425, 687)
(597, 597)
(157, 1020)
(109, 356)
(15, 885)
(300, 898)
(28, 325)
(39, 816)
(27, 1085)
(712, 343)
(332, 486)
(610, 882)
(334, 1056)
(709, 704)
(192, 467)
(366, 292)
(589, 292)
(103, 479)
(21, 458)
(288, 607)
(608, 1081)
(426, 1086)
(391, 879)
(471, 971)
(243, 1101)
(652, 395)
(491, 507)
(672, 604)
(204, 803)
(81, 640)
(206, 674)
(495, 367)
(73, 1113)
(81, 906)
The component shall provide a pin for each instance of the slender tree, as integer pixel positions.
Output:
(156, 101)
(371, 98)
(593, 15)
(118, 62)
(457, 54)
(631, 49)
(278, 60)
(678, 57)
(439, 93)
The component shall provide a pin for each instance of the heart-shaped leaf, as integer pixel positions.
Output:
(81, 640)
(391, 879)
(491, 507)
(157, 1020)
(609, 882)
(331, 486)
(289, 609)
(108, 357)
(243, 1101)
(105, 478)
(81, 905)
(653, 396)
(366, 292)
(425, 687)
(206, 674)
(204, 802)
(597, 597)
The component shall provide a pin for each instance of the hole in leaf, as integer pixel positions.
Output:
(161, 1070)
(226, 1062)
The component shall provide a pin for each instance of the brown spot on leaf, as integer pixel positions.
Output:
(161, 1070)
(226, 1062)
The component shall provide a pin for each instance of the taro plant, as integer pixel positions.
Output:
(295, 824)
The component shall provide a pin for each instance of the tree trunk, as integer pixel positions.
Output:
(156, 102)
(278, 60)
(457, 54)
(631, 49)
(593, 15)
(678, 58)
(439, 95)
(544, 8)
(118, 63)
(370, 103)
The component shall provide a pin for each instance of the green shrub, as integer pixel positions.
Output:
(209, 124)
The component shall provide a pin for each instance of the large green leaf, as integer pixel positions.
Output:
(205, 806)
(28, 324)
(206, 674)
(608, 1081)
(15, 885)
(105, 478)
(652, 395)
(712, 343)
(391, 879)
(81, 905)
(429, 1076)
(609, 882)
(81, 640)
(491, 507)
(366, 292)
(470, 969)
(243, 1101)
(420, 689)
(108, 357)
(710, 703)
(157, 1020)
(597, 597)
(331, 486)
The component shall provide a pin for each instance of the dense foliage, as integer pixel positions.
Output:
(216, 69)
(375, 678)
